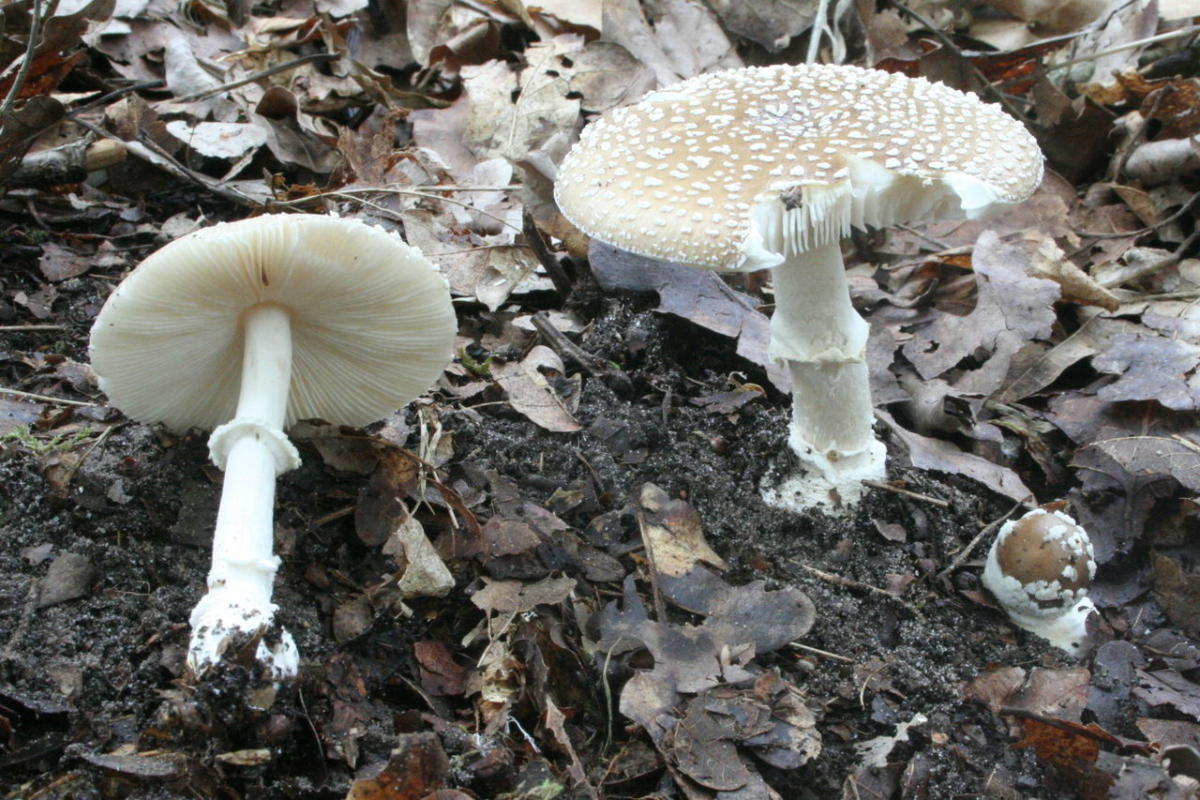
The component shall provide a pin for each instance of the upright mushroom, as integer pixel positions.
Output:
(770, 167)
(246, 327)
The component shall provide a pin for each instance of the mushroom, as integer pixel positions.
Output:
(769, 168)
(1039, 569)
(246, 327)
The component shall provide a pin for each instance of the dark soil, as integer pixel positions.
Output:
(86, 676)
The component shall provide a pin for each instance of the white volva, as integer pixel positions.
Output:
(1039, 569)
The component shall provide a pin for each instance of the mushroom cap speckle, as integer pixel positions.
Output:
(1041, 564)
(735, 169)
(371, 321)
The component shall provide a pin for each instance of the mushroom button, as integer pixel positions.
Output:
(1039, 569)
(246, 327)
(770, 167)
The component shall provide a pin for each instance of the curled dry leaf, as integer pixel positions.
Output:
(425, 574)
(530, 393)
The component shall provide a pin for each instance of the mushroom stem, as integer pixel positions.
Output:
(252, 450)
(822, 340)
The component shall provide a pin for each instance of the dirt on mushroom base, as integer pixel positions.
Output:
(140, 511)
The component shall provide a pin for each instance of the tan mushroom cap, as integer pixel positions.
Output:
(1050, 555)
(678, 174)
(371, 321)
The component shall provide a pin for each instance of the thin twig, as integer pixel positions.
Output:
(965, 553)
(70, 473)
(35, 35)
(1186, 207)
(22, 627)
(1118, 164)
(349, 195)
(314, 58)
(1108, 51)
(824, 653)
(105, 100)
(888, 487)
(949, 43)
(560, 279)
(151, 153)
(47, 399)
(32, 327)
(595, 366)
(850, 583)
(660, 608)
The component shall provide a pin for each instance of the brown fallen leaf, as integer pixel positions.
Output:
(425, 574)
(673, 534)
(514, 597)
(1151, 367)
(925, 452)
(69, 577)
(531, 394)
(1011, 308)
(416, 768)
(674, 39)
(697, 295)
(1168, 687)
(441, 675)
(512, 113)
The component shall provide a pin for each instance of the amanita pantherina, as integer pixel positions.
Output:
(1040, 568)
(246, 327)
(770, 168)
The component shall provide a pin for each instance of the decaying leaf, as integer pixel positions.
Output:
(1151, 368)
(425, 574)
(925, 452)
(672, 532)
(416, 770)
(1011, 308)
(697, 295)
(530, 393)
(514, 597)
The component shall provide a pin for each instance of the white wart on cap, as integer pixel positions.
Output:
(770, 167)
(1039, 568)
(370, 320)
(692, 172)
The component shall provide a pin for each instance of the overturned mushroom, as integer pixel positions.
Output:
(770, 168)
(246, 327)
(1040, 568)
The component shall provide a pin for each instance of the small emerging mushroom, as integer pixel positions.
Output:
(770, 167)
(1040, 568)
(246, 327)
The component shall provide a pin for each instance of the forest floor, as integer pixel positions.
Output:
(628, 618)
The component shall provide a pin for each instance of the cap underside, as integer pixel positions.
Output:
(371, 321)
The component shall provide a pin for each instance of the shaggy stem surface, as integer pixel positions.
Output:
(822, 340)
(252, 450)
